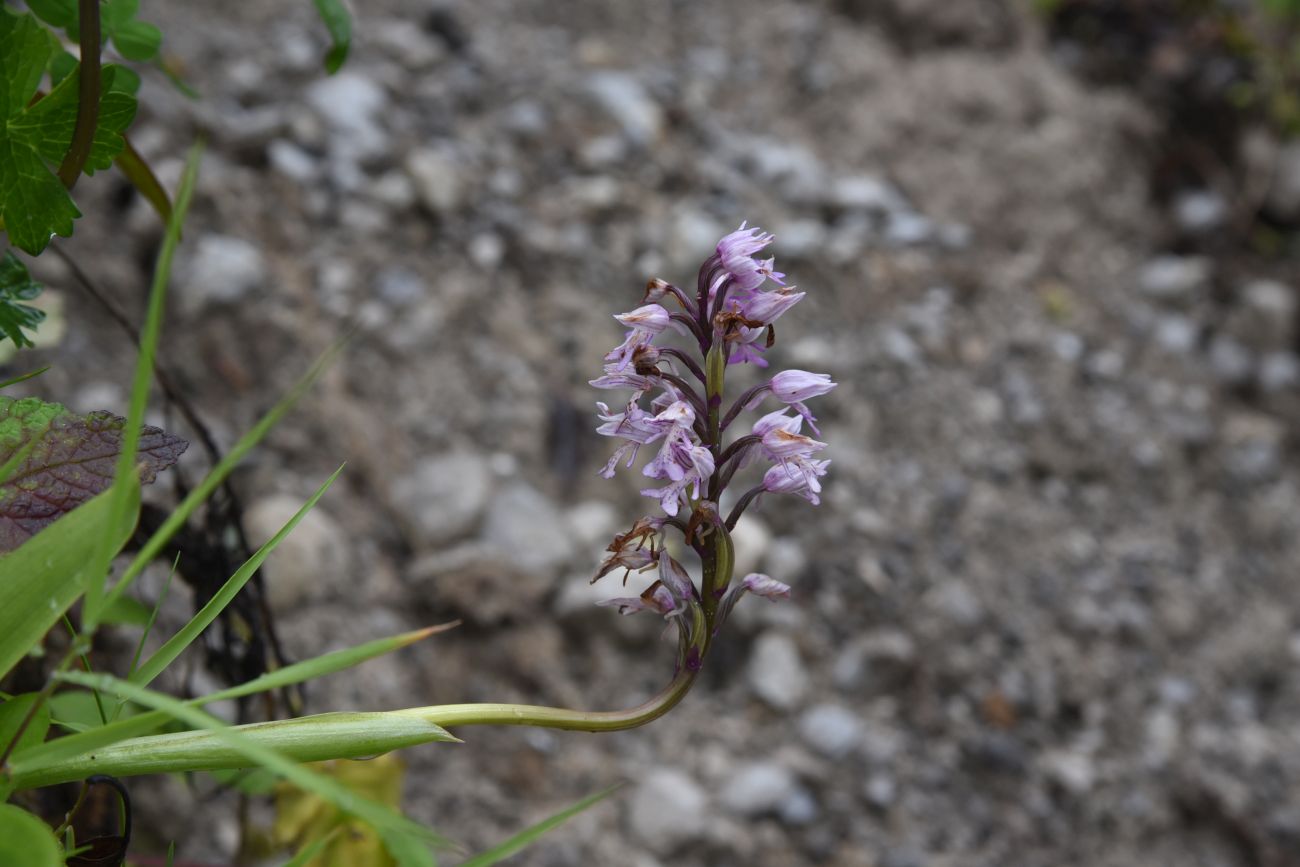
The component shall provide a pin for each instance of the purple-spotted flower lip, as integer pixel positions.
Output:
(736, 255)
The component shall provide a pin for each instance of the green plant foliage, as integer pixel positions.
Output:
(33, 203)
(134, 39)
(16, 286)
(339, 24)
(26, 840)
(527, 837)
(40, 580)
(12, 714)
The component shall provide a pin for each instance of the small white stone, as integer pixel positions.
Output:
(668, 810)
(832, 730)
(436, 176)
(758, 789)
(441, 498)
(312, 562)
(776, 671)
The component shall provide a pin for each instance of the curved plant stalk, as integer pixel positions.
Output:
(322, 736)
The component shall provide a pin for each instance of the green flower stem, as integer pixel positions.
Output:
(333, 736)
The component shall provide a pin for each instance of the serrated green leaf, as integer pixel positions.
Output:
(61, 66)
(47, 126)
(26, 840)
(16, 285)
(339, 24)
(33, 203)
(125, 80)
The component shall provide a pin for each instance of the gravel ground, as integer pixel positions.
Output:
(1047, 612)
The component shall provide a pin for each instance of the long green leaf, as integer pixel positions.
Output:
(93, 606)
(175, 646)
(42, 578)
(54, 752)
(528, 836)
(339, 24)
(280, 746)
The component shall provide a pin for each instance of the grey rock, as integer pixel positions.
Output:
(529, 529)
(1284, 193)
(751, 540)
(441, 498)
(353, 107)
(292, 161)
(1199, 211)
(901, 348)
(628, 103)
(1269, 315)
(792, 168)
(1073, 770)
(487, 250)
(831, 729)
(410, 46)
(776, 671)
(907, 228)
(880, 661)
(400, 286)
(668, 810)
(311, 563)
(759, 789)
(1230, 361)
(867, 193)
(1174, 279)
(956, 602)
(1176, 334)
(223, 270)
(801, 238)
(1254, 445)
(1279, 372)
(437, 179)
(880, 790)
(799, 808)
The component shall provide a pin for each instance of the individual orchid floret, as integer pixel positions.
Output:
(765, 586)
(798, 476)
(656, 598)
(736, 254)
(649, 317)
(793, 387)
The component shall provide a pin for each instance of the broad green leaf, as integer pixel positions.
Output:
(26, 840)
(137, 40)
(12, 714)
(126, 611)
(75, 710)
(525, 838)
(62, 66)
(307, 739)
(71, 459)
(176, 645)
(42, 578)
(16, 286)
(56, 13)
(339, 24)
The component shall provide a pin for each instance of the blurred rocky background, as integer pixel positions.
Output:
(1048, 613)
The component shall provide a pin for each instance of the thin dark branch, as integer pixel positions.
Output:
(741, 505)
(740, 403)
(686, 360)
(88, 88)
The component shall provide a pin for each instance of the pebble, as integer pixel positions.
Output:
(1279, 372)
(223, 270)
(880, 790)
(668, 810)
(529, 529)
(626, 101)
(441, 498)
(751, 540)
(293, 162)
(1176, 334)
(1199, 211)
(1284, 193)
(1230, 361)
(437, 179)
(880, 661)
(311, 563)
(1174, 278)
(867, 193)
(353, 107)
(758, 789)
(831, 729)
(776, 671)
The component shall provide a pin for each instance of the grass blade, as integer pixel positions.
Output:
(528, 836)
(120, 495)
(176, 645)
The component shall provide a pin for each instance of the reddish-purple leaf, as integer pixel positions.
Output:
(69, 459)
